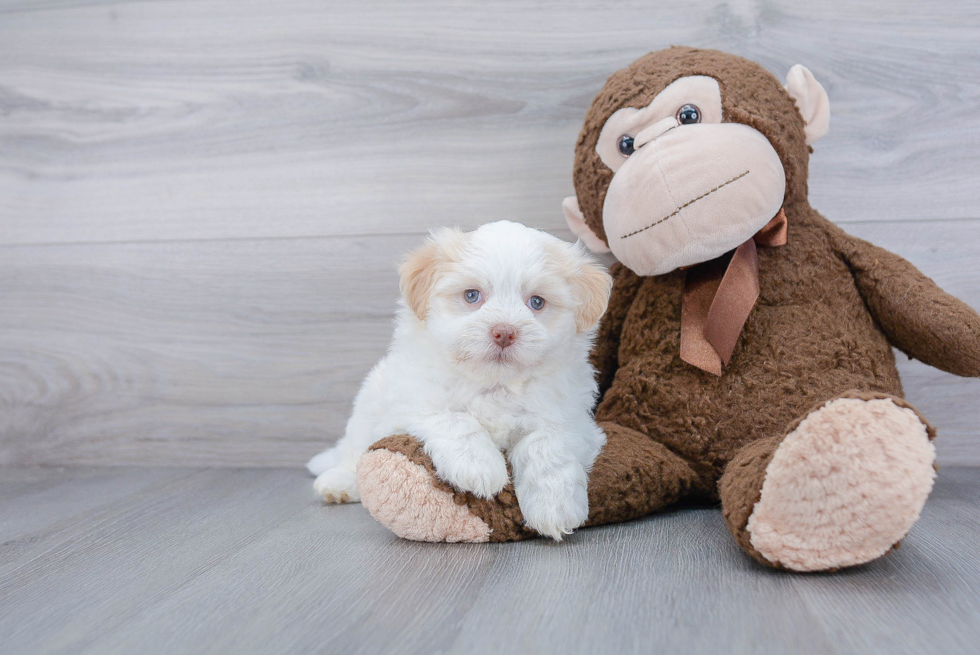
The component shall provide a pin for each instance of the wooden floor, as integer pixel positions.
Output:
(154, 560)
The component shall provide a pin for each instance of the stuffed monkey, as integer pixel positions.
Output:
(746, 356)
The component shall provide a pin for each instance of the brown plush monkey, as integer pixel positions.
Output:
(746, 354)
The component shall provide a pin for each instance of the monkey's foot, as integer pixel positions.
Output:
(844, 486)
(398, 486)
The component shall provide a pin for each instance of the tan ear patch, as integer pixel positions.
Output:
(594, 285)
(418, 273)
(422, 267)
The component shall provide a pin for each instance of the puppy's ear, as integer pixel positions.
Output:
(422, 267)
(593, 285)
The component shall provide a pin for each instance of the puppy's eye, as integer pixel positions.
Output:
(688, 114)
(536, 303)
(471, 296)
(625, 145)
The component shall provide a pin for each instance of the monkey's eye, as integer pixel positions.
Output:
(536, 303)
(688, 114)
(626, 145)
(471, 296)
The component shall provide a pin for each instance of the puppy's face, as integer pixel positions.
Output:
(504, 297)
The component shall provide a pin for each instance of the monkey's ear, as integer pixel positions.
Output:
(576, 223)
(812, 101)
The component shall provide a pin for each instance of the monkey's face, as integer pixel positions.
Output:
(686, 177)
(686, 187)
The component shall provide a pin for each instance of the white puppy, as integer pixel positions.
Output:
(489, 356)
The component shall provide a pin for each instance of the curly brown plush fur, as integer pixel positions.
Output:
(830, 309)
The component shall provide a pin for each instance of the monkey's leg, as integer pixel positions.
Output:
(633, 476)
(841, 488)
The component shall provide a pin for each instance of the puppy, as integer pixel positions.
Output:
(489, 360)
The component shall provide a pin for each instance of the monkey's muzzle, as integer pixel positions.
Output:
(692, 194)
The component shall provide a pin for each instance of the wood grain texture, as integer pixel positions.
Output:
(220, 352)
(249, 353)
(249, 562)
(39, 502)
(175, 120)
(150, 542)
(201, 203)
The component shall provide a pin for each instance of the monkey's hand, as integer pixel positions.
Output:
(918, 317)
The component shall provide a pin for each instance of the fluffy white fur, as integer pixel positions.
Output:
(472, 402)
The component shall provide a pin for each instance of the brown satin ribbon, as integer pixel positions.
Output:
(718, 296)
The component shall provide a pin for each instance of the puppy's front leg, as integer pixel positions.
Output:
(463, 453)
(551, 484)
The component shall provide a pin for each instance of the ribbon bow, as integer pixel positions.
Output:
(718, 298)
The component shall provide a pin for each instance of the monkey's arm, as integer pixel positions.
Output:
(918, 317)
(605, 352)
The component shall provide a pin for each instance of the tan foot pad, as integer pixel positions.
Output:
(843, 487)
(400, 495)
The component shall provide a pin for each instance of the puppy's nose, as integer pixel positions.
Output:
(503, 335)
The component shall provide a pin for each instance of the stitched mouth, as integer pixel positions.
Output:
(686, 204)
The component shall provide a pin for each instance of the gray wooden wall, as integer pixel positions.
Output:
(201, 202)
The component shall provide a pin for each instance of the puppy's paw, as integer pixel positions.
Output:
(323, 462)
(554, 507)
(481, 471)
(338, 485)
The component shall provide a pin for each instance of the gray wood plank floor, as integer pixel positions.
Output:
(120, 560)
